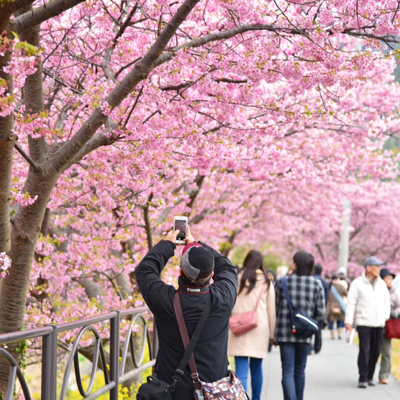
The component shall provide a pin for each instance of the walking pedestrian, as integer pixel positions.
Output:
(198, 264)
(281, 271)
(386, 360)
(368, 308)
(249, 349)
(335, 308)
(307, 294)
(343, 278)
(272, 276)
(317, 275)
(318, 335)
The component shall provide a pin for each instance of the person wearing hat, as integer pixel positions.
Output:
(368, 308)
(335, 308)
(345, 281)
(317, 345)
(198, 264)
(384, 372)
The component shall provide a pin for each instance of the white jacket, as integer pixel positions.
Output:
(368, 304)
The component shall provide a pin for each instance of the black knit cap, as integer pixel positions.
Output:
(197, 262)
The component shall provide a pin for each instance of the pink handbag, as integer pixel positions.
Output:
(245, 321)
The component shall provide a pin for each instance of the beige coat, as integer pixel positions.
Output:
(333, 303)
(255, 342)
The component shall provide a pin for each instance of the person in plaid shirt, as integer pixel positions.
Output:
(307, 294)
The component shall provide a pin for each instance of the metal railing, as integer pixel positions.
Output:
(114, 372)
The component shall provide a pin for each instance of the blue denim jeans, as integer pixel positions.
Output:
(339, 324)
(242, 371)
(294, 359)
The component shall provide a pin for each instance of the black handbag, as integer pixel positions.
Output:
(155, 389)
(303, 326)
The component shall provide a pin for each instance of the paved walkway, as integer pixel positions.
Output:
(330, 375)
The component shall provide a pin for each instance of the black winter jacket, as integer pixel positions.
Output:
(210, 352)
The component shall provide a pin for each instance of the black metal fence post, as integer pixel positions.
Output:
(49, 365)
(114, 355)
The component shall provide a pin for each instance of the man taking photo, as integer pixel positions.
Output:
(199, 263)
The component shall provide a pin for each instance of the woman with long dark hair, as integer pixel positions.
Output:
(250, 348)
(306, 294)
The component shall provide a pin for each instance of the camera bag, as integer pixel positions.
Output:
(154, 389)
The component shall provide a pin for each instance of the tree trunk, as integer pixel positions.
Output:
(33, 95)
(7, 140)
(28, 220)
(6, 156)
(24, 235)
(44, 171)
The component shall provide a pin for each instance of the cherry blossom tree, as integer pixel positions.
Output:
(253, 117)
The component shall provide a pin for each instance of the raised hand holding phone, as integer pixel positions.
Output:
(172, 235)
(180, 224)
(189, 237)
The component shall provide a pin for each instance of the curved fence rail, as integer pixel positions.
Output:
(113, 371)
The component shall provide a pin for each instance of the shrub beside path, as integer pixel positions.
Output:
(330, 375)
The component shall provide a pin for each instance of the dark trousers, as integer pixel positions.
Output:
(370, 348)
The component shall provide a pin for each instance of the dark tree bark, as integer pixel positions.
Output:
(20, 239)
(29, 20)
(7, 140)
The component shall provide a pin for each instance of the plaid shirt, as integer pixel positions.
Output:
(307, 294)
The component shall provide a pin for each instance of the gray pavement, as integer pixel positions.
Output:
(330, 375)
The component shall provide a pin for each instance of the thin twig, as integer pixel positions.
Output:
(134, 106)
(151, 116)
(61, 82)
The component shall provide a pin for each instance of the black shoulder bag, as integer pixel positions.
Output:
(303, 326)
(154, 388)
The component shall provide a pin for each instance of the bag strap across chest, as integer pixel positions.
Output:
(286, 293)
(190, 344)
(288, 299)
(338, 298)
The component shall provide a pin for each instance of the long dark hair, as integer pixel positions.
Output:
(304, 262)
(253, 261)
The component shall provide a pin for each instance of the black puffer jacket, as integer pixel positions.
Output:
(210, 352)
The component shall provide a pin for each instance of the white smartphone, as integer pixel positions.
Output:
(181, 224)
